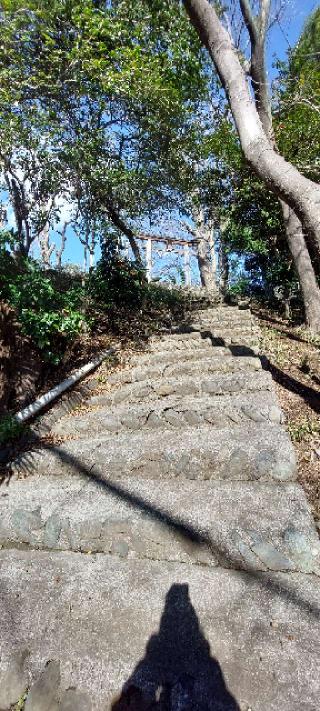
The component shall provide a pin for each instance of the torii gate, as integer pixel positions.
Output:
(172, 241)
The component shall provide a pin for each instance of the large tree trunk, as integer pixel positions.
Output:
(301, 257)
(301, 194)
(257, 28)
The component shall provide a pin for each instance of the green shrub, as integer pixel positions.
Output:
(115, 281)
(50, 316)
(240, 287)
(10, 429)
(53, 307)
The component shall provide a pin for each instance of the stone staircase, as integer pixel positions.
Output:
(159, 553)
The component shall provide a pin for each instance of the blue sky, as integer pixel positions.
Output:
(287, 34)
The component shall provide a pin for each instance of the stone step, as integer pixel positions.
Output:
(221, 314)
(223, 320)
(232, 336)
(239, 330)
(176, 337)
(249, 526)
(226, 411)
(169, 343)
(185, 386)
(215, 638)
(146, 357)
(224, 310)
(205, 323)
(246, 452)
(203, 366)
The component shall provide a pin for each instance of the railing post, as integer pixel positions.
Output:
(149, 259)
(212, 246)
(186, 264)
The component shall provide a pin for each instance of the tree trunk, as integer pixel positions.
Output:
(223, 266)
(303, 265)
(205, 253)
(127, 231)
(45, 248)
(300, 193)
(257, 27)
(205, 265)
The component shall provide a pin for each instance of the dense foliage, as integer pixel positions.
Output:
(49, 314)
(54, 308)
(110, 114)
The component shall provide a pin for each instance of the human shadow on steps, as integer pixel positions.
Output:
(177, 672)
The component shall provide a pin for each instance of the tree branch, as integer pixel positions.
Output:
(250, 20)
(125, 229)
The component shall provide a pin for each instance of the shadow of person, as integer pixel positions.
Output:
(177, 672)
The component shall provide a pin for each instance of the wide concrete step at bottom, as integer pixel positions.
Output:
(203, 366)
(249, 526)
(173, 412)
(247, 452)
(218, 384)
(143, 634)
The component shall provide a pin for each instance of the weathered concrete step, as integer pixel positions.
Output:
(227, 324)
(224, 319)
(226, 411)
(176, 336)
(232, 336)
(168, 343)
(228, 329)
(217, 638)
(164, 357)
(203, 366)
(223, 312)
(251, 451)
(249, 526)
(185, 386)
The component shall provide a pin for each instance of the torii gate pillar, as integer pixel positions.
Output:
(186, 265)
(149, 259)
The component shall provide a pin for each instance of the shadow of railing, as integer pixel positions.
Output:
(309, 395)
(183, 529)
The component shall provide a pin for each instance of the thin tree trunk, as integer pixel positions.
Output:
(45, 248)
(59, 252)
(301, 257)
(223, 266)
(300, 193)
(205, 251)
(205, 265)
(127, 231)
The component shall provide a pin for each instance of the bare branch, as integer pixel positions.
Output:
(250, 19)
(264, 18)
